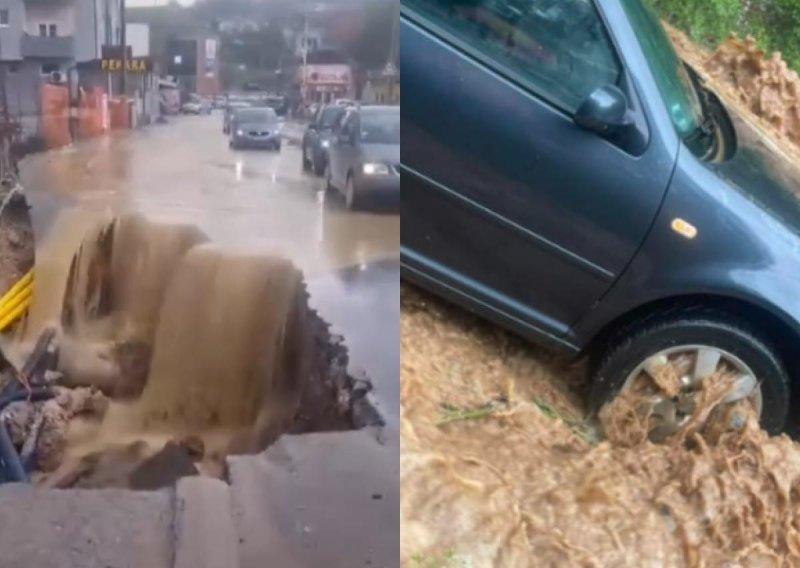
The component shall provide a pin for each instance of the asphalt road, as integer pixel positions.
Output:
(262, 201)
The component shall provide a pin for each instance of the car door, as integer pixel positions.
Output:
(312, 136)
(507, 204)
(340, 149)
(350, 148)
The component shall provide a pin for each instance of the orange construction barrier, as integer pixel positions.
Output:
(54, 125)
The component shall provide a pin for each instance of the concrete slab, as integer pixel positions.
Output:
(85, 529)
(329, 499)
(204, 530)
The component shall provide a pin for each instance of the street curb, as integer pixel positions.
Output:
(205, 536)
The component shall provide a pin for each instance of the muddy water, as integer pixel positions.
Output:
(190, 341)
(499, 468)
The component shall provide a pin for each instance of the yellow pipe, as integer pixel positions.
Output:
(16, 288)
(21, 298)
(7, 303)
(14, 314)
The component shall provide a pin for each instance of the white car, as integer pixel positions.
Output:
(196, 106)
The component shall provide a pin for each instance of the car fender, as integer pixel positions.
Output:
(709, 239)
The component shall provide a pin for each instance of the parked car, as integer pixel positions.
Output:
(279, 103)
(364, 154)
(586, 190)
(197, 105)
(344, 102)
(317, 138)
(255, 128)
(231, 106)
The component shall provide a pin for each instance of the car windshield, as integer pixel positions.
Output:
(670, 73)
(381, 127)
(329, 116)
(255, 115)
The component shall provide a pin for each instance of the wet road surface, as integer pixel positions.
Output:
(184, 172)
(261, 201)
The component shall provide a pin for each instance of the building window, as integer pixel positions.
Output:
(50, 68)
(4, 18)
(43, 30)
(53, 30)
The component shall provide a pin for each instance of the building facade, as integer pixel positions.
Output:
(45, 41)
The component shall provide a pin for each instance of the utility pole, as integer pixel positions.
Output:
(305, 50)
(123, 39)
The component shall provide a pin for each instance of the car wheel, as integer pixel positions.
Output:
(317, 165)
(351, 197)
(306, 164)
(686, 350)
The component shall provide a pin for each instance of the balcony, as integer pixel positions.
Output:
(48, 47)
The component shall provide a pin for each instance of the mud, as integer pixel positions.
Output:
(760, 85)
(500, 468)
(16, 236)
(202, 352)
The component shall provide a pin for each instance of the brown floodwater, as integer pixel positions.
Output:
(198, 348)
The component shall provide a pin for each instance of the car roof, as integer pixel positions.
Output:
(370, 109)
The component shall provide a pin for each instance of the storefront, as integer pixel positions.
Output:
(325, 83)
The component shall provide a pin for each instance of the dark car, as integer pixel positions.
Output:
(230, 107)
(255, 128)
(581, 186)
(364, 155)
(317, 138)
(278, 102)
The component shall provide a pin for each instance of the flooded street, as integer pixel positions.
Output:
(184, 172)
(247, 201)
(219, 299)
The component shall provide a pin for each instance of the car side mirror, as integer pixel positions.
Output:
(605, 112)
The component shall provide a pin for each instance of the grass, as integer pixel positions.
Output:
(454, 414)
(448, 559)
(451, 414)
(578, 428)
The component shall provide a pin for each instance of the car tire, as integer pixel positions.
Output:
(317, 166)
(634, 344)
(352, 199)
(306, 164)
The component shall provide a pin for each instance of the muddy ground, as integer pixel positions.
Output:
(500, 466)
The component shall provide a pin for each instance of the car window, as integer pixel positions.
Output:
(557, 47)
(341, 124)
(255, 115)
(329, 116)
(380, 127)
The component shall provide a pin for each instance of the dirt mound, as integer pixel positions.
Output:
(760, 86)
(499, 469)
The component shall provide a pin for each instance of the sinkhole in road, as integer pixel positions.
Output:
(198, 352)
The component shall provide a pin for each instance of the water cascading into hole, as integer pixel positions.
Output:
(191, 342)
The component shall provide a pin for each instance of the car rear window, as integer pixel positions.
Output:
(255, 115)
(380, 127)
(329, 116)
